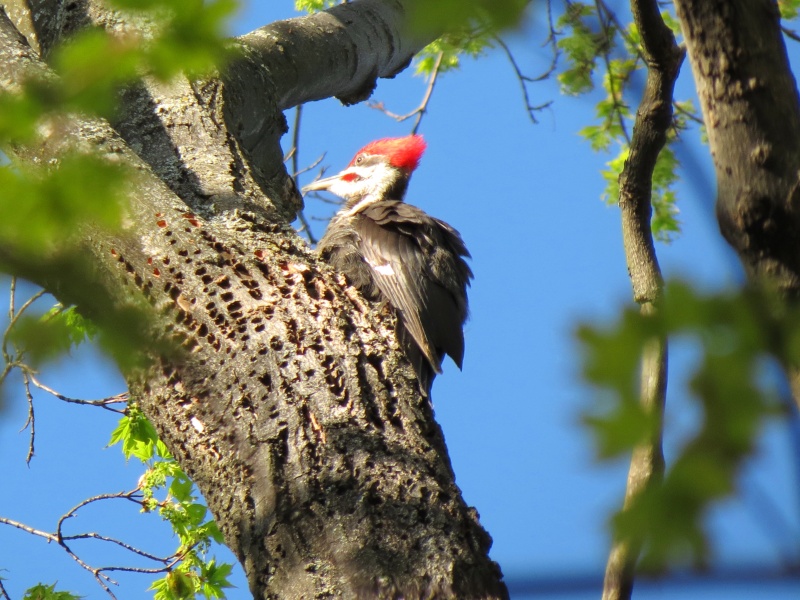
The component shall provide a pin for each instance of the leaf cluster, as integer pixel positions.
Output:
(48, 592)
(597, 42)
(169, 492)
(790, 9)
(738, 335)
(312, 6)
(452, 46)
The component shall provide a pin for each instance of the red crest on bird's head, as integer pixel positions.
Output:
(403, 153)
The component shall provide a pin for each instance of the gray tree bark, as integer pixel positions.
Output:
(292, 408)
(751, 109)
(752, 112)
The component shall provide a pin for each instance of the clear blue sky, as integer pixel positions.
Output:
(547, 253)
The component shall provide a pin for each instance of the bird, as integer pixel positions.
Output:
(393, 252)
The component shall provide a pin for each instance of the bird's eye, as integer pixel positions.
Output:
(359, 159)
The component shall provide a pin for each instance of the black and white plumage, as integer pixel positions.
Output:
(395, 252)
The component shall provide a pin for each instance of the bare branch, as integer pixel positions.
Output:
(31, 420)
(99, 573)
(420, 111)
(104, 403)
(293, 153)
(50, 537)
(653, 119)
(130, 495)
(604, 15)
(103, 538)
(687, 113)
(524, 80)
(790, 33)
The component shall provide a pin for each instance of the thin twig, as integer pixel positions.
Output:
(616, 95)
(687, 113)
(790, 33)
(3, 592)
(524, 80)
(298, 113)
(104, 403)
(99, 573)
(14, 317)
(311, 166)
(50, 537)
(420, 111)
(129, 495)
(31, 420)
(103, 538)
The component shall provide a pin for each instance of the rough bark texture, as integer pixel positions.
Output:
(752, 112)
(750, 106)
(293, 409)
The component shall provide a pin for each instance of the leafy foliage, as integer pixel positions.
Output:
(582, 47)
(193, 574)
(450, 15)
(452, 46)
(312, 6)
(789, 8)
(738, 334)
(48, 592)
(57, 203)
(597, 42)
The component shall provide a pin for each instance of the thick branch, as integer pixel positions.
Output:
(751, 110)
(752, 113)
(653, 119)
(342, 51)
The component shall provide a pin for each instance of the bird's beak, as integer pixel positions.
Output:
(320, 184)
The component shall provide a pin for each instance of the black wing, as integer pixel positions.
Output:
(417, 263)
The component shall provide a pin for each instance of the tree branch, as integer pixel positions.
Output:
(751, 109)
(104, 403)
(422, 108)
(653, 119)
(344, 50)
(98, 573)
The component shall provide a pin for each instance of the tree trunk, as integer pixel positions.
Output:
(752, 112)
(293, 408)
(750, 107)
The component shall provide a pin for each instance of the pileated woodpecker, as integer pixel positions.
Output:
(393, 251)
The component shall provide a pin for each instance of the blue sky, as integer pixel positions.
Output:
(547, 254)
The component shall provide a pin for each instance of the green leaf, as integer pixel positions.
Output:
(215, 579)
(137, 436)
(181, 488)
(582, 48)
(453, 46)
(180, 585)
(196, 513)
(58, 203)
(789, 9)
(48, 592)
(450, 15)
(737, 334)
(78, 328)
(92, 67)
(312, 6)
